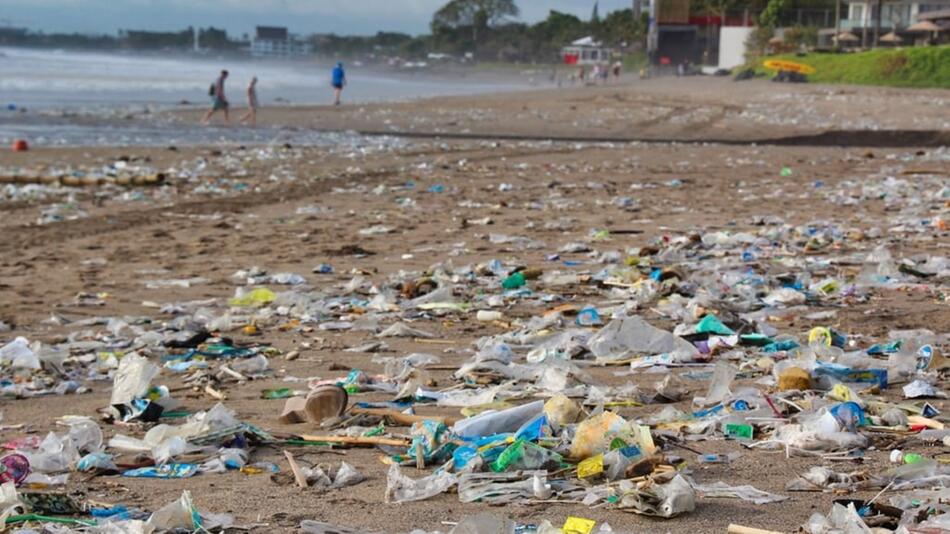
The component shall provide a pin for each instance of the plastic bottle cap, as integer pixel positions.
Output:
(896, 456)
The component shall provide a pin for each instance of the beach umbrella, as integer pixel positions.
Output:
(847, 37)
(891, 38)
(924, 26)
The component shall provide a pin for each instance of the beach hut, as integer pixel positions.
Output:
(586, 51)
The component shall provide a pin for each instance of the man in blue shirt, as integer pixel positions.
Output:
(338, 82)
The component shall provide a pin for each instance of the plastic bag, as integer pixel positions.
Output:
(9, 501)
(484, 523)
(179, 514)
(632, 335)
(347, 475)
(661, 500)
(561, 410)
(96, 461)
(400, 488)
(723, 375)
(594, 435)
(132, 379)
(744, 492)
(256, 297)
(19, 354)
(498, 488)
(497, 422)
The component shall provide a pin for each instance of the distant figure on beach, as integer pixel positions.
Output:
(218, 100)
(251, 116)
(617, 67)
(338, 82)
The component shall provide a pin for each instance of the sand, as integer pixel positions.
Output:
(251, 218)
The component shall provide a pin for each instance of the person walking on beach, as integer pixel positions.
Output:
(218, 99)
(251, 116)
(338, 82)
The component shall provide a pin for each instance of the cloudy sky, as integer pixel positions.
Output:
(240, 16)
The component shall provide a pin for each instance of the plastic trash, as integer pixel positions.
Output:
(633, 336)
(169, 470)
(499, 488)
(594, 435)
(180, 514)
(524, 455)
(723, 375)
(484, 523)
(256, 297)
(561, 410)
(588, 316)
(96, 461)
(901, 457)
(842, 519)
(666, 500)
(19, 354)
(14, 468)
(132, 379)
(744, 492)
(497, 422)
(514, 281)
(400, 488)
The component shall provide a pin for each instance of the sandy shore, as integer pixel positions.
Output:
(669, 109)
(288, 209)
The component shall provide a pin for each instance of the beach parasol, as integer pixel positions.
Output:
(891, 38)
(847, 37)
(924, 26)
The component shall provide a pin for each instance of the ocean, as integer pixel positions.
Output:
(55, 97)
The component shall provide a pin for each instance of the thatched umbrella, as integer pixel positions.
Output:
(891, 38)
(925, 26)
(847, 37)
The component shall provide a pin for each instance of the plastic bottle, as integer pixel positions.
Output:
(901, 457)
(489, 315)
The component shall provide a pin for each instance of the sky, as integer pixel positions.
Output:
(359, 17)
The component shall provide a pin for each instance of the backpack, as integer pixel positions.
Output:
(211, 90)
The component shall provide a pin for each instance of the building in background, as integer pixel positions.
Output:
(586, 51)
(897, 17)
(277, 42)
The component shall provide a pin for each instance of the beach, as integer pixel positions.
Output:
(447, 181)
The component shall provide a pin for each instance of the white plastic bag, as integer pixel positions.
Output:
(132, 379)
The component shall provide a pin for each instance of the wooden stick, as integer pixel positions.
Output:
(739, 529)
(299, 477)
(215, 393)
(357, 440)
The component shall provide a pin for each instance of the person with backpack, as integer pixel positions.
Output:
(218, 100)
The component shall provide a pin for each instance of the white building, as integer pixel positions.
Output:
(586, 51)
(896, 15)
(272, 41)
